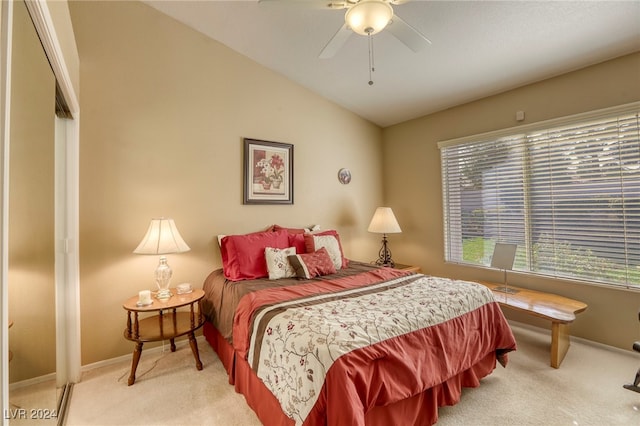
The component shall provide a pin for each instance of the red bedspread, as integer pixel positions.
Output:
(467, 328)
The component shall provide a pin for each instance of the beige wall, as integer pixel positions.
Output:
(164, 111)
(411, 155)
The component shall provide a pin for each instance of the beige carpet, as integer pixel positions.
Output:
(586, 390)
(37, 402)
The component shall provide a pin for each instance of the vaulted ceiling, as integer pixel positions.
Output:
(479, 48)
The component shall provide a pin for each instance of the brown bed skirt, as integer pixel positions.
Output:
(421, 409)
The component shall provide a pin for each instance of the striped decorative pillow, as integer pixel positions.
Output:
(309, 265)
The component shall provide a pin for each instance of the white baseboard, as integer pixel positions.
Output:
(155, 350)
(52, 376)
(574, 338)
(32, 381)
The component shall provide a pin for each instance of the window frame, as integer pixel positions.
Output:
(452, 248)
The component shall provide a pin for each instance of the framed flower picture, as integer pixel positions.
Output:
(268, 172)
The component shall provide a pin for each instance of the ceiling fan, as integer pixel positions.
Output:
(368, 17)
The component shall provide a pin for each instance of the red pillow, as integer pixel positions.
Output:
(312, 244)
(297, 241)
(296, 237)
(290, 230)
(243, 255)
(309, 265)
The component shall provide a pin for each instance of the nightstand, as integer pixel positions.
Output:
(163, 325)
(410, 268)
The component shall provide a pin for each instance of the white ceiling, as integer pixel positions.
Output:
(479, 48)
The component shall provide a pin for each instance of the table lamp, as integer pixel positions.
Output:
(384, 222)
(162, 238)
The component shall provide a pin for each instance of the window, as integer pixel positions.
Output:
(566, 191)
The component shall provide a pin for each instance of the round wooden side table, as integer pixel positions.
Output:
(168, 323)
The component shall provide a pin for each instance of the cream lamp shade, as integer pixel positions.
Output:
(368, 17)
(384, 222)
(162, 238)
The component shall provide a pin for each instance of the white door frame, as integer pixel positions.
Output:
(6, 20)
(68, 361)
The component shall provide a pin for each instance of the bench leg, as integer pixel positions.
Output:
(559, 343)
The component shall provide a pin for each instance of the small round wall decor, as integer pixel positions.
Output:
(344, 176)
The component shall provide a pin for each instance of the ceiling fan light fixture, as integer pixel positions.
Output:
(368, 17)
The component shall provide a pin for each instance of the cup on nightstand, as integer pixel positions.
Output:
(144, 298)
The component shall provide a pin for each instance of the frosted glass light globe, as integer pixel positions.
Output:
(369, 16)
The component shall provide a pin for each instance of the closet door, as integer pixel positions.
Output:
(31, 251)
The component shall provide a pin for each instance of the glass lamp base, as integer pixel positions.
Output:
(163, 277)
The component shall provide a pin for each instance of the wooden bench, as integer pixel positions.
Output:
(561, 311)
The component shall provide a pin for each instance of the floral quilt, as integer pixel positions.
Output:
(294, 343)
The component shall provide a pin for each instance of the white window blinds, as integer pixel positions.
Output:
(568, 195)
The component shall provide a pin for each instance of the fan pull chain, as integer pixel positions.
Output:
(371, 65)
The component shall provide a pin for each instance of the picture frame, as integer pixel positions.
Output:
(268, 172)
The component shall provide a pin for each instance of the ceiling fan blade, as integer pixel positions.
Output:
(336, 42)
(404, 32)
(309, 4)
(337, 5)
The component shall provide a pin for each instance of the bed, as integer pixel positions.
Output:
(342, 342)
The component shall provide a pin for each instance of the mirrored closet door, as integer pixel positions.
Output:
(31, 239)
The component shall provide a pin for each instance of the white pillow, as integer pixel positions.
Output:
(330, 243)
(278, 265)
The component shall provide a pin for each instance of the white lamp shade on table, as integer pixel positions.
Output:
(384, 222)
(162, 238)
